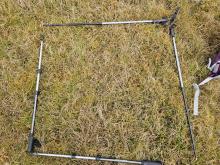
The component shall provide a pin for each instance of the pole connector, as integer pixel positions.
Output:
(37, 93)
(161, 22)
(32, 143)
(173, 17)
(39, 71)
(171, 30)
(172, 22)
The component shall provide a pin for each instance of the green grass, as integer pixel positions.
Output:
(107, 90)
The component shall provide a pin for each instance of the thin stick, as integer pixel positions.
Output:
(98, 159)
(183, 90)
(31, 135)
(160, 21)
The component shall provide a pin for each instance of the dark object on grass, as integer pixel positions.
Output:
(214, 67)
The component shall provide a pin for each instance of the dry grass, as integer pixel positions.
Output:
(107, 90)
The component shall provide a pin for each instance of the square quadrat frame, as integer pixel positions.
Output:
(33, 142)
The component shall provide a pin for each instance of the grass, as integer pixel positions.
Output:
(107, 90)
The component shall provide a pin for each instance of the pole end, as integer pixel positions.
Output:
(42, 37)
(147, 162)
(164, 21)
(45, 24)
(173, 17)
(172, 22)
(171, 30)
(32, 142)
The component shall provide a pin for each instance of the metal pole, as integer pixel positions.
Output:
(160, 21)
(98, 159)
(172, 33)
(31, 135)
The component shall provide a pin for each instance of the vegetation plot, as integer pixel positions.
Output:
(110, 91)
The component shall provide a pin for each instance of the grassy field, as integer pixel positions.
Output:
(110, 91)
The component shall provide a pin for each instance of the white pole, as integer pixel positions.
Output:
(87, 158)
(37, 86)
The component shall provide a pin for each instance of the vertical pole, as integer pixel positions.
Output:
(31, 135)
(172, 33)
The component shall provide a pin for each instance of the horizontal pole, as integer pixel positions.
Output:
(86, 158)
(160, 21)
(144, 162)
